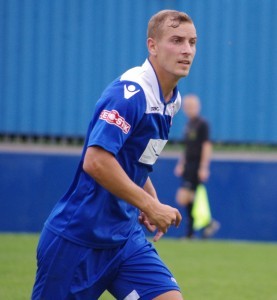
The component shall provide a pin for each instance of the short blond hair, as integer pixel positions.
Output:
(155, 24)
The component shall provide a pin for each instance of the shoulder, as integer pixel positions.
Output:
(204, 127)
(123, 90)
(134, 83)
(125, 97)
(203, 122)
(139, 77)
(133, 74)
(144, 76)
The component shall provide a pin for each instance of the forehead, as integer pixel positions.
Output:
(185, 30)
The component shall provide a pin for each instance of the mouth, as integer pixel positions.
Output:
(184, 62)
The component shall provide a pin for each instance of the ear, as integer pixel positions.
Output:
(152, 46)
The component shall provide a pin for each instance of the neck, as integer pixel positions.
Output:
(167, 81)
(167, 93)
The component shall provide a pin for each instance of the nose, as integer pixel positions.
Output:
(187, 48)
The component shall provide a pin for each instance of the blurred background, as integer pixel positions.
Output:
(57, 56)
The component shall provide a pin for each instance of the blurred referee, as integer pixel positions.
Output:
(193, 166)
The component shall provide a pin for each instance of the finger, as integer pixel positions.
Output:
(178, 219)
(158, 235)
(140, 218)
(142, 214)
(149, 226)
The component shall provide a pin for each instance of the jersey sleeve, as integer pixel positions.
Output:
(117, 114)
(205, 131)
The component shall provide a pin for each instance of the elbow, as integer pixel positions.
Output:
(86, 165)
(96, 161)
(91, 166)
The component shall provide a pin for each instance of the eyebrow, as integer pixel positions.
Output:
(182, 37)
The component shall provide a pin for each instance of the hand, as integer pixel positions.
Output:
(203, 174)
(179, 170)
(144, 221)
(163, 216)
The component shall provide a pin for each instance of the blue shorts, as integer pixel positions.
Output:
(190, 179)
(69, 271)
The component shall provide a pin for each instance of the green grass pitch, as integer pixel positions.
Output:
(205, 270)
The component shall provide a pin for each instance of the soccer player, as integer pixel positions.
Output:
(93, 240)
(194, 165)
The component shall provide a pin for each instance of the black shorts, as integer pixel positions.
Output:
(190, 179)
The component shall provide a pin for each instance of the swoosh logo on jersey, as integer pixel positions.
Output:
(129, 91)
(155, 151)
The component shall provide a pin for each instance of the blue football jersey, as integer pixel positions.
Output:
(132, 121)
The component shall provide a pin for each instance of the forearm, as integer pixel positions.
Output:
(206, 155)
(179, 168)
(181, 160)
(150, 189)
(105, 170)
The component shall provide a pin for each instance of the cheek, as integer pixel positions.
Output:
(169, 53)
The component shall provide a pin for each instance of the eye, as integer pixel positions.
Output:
(192, 42)
(176, 40)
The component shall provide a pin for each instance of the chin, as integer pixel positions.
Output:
(183, 74)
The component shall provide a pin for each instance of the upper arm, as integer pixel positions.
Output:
(116, 118)
(205, 132)
(94, 159)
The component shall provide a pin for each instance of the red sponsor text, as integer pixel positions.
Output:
(113, 117)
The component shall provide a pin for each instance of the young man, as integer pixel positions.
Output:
(194, 164)
(92, 240)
